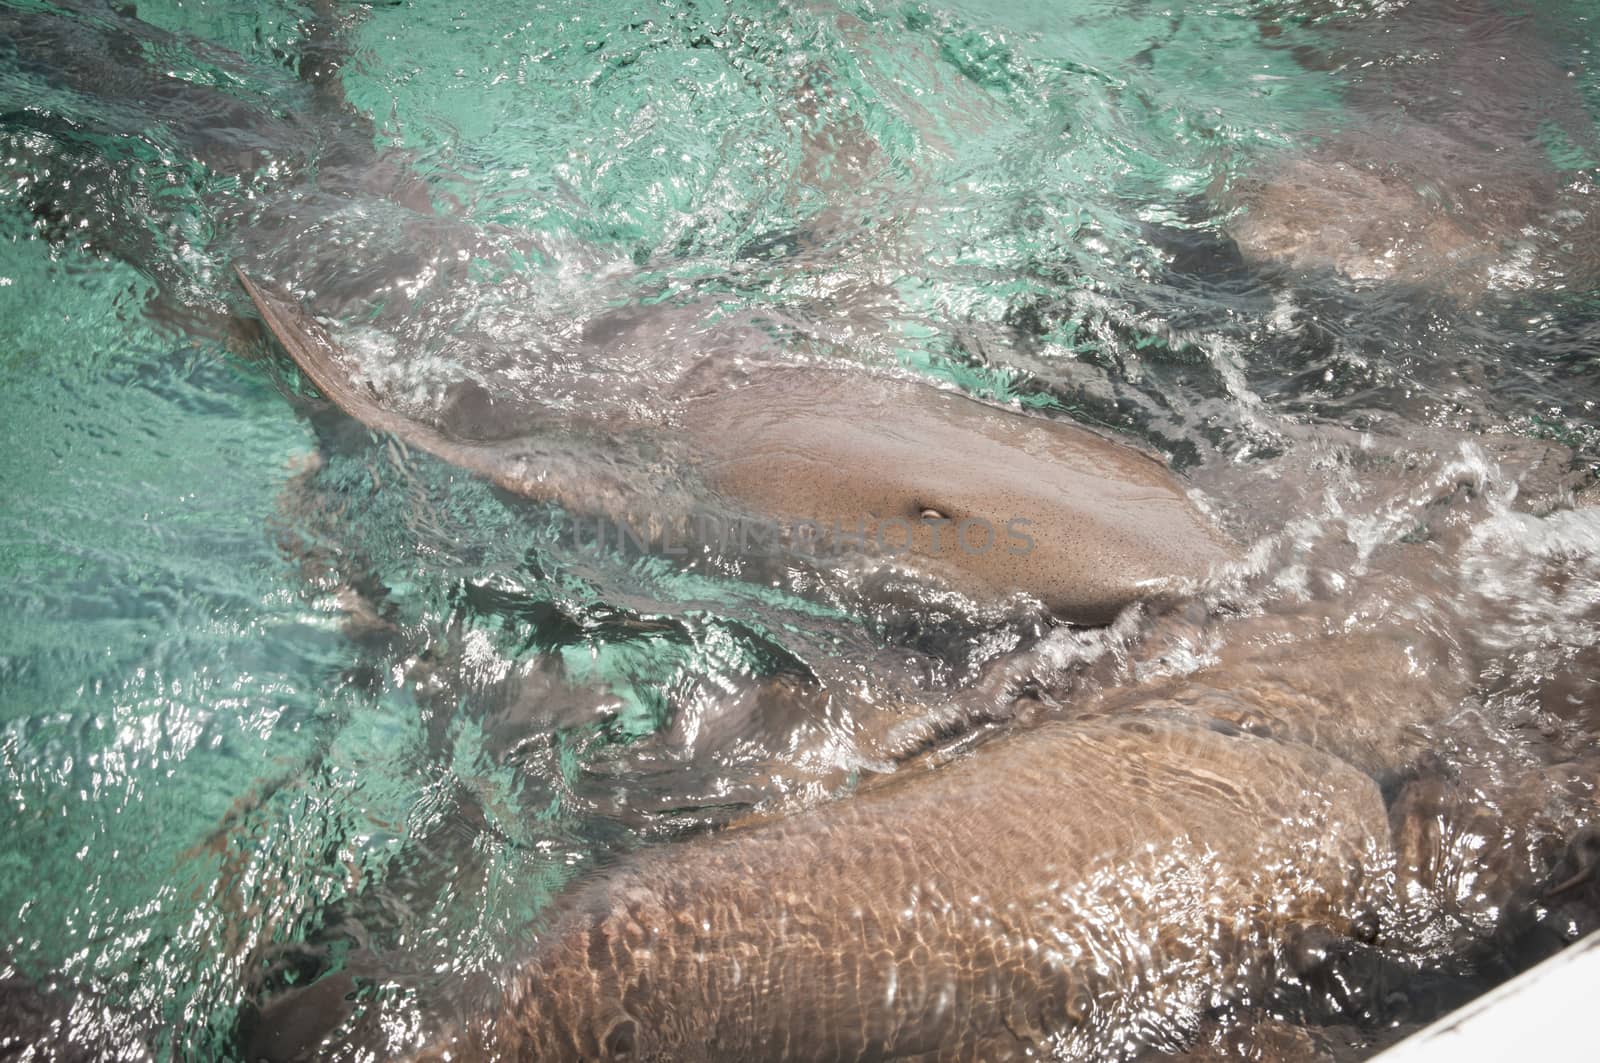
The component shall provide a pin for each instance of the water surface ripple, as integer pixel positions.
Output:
(280, 697)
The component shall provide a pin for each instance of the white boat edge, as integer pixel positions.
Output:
(1542, 1014)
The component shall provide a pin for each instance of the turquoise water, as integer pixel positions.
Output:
(204, 762)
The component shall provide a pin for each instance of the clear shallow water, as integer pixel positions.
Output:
(206, 763)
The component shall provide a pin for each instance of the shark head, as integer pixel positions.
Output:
(990, 501)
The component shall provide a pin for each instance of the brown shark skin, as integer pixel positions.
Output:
(1435, 173)
(1170, 846)
(992, 501)
(1035, 896)
(995, 501)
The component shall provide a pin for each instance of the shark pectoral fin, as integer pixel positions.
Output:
(555, 468)
(316, 354)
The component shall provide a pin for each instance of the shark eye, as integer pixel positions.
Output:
(929, 513)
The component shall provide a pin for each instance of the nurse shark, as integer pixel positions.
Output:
(991, 501)
(1163, 850)
(1441, 169)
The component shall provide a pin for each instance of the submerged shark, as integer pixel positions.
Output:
(1168, 850)
(1439, 171)
(988, 501)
